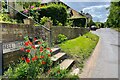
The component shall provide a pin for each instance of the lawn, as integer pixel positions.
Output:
(80, 48)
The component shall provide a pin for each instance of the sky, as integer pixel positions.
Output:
(96, 9)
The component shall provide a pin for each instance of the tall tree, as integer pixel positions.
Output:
(114, 16)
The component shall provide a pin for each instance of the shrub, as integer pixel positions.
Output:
(57, 12)
(57, 73)
(45, 19)
(5, 18)
(61, 38)
(35, 60)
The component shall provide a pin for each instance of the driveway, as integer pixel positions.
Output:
(104, 61)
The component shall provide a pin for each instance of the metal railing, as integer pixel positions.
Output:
(50, 32)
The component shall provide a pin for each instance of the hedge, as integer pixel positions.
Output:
(57, 12)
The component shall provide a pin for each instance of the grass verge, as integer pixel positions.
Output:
(80, 48)
(117, 29)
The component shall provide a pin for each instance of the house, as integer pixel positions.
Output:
(73, 14)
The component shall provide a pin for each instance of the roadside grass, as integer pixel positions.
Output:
(117, 29)
(80, 48)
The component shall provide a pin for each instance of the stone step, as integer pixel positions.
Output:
(75, 71)
(66, 63)
(55, 50)
(57, 56)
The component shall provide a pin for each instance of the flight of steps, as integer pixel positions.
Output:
(63, 60)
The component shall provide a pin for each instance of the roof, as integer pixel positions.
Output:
(77, 17)
(48, 1)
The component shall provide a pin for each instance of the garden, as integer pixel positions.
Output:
(35, 60)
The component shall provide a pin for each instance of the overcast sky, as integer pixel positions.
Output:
(96, 9)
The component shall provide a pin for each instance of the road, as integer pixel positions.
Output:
(104, 61)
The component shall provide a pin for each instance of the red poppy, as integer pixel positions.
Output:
(27, 50)
(33, 47)
(41, 57)
(29, 42)
(26, 43)
(49, 55)
(35, 39)
(41, 49)
(27, 60)
(34, 58)
(43, 62)
(22, 58)
(22, 49)
(49, 49)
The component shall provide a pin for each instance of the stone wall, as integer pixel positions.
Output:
(67, 31)
(12, 37)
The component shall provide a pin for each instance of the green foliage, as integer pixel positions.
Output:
(27, 3)
(72, 77)
(81, 22)
(57, 73)
(57, 12)
(35, 61)
(5, 18)
(90, 23)
(61, 38)
(45, 19)
(114, 16)
(69, 23)
(80, 48)
(99, 24)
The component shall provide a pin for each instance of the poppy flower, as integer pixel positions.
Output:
(22, 58)
(22, 49)
(41, 57)
(26, 44)
(43, 62)
(27, 60)
(49, 55)
(41, 49)
(49, 49)
(27, 50)
(34, 58)
(35, 39)
(29, 42)
(33, 47)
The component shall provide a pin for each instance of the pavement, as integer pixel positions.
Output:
(104, 61)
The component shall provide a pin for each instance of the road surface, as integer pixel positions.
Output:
(104, 61)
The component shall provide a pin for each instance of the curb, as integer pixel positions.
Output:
(90, 63)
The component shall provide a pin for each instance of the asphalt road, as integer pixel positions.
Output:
(104, 61)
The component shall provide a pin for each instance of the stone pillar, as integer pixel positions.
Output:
(48, 24)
